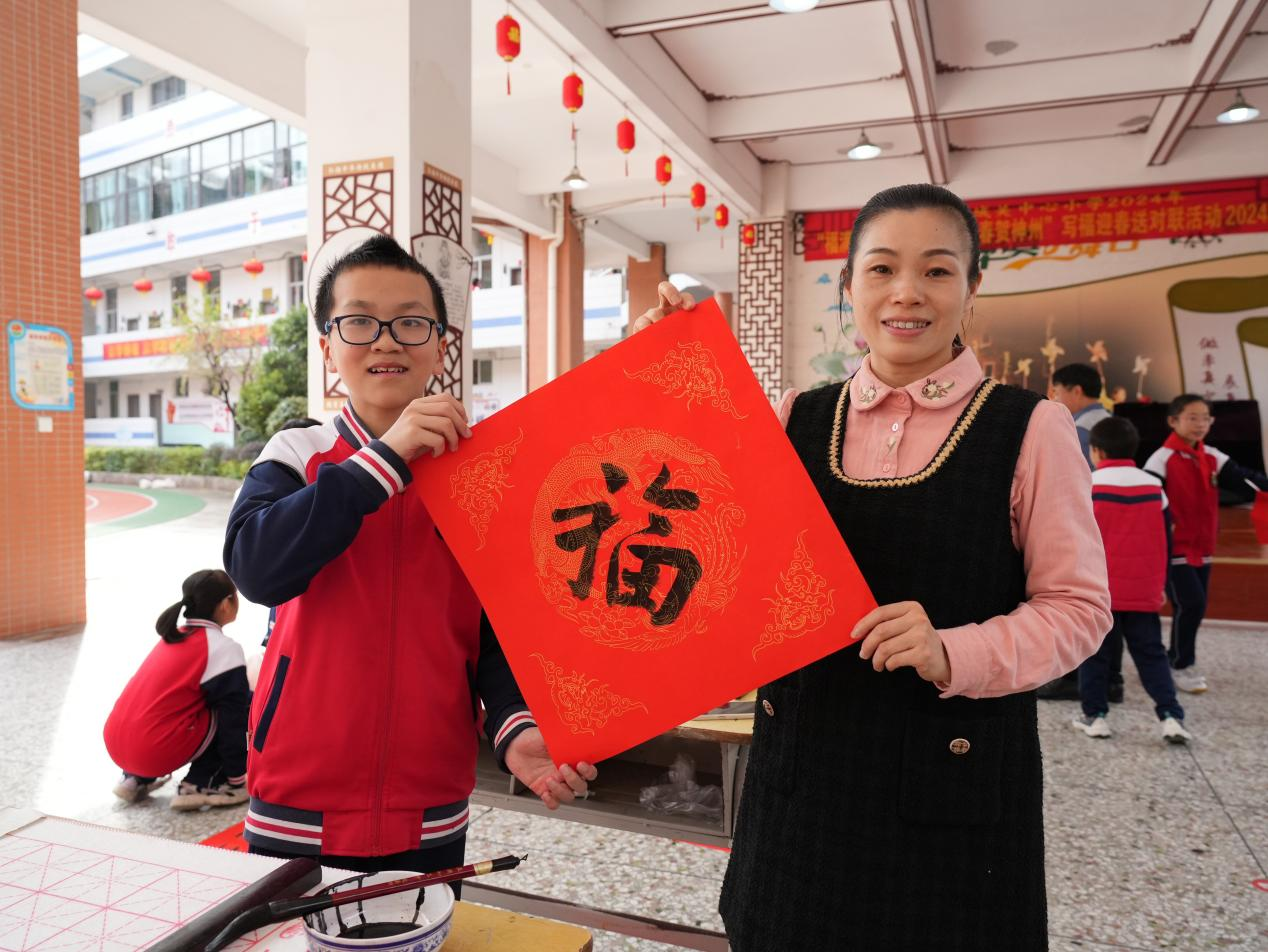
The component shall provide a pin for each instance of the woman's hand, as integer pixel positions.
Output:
(528, 758)
(899, 636)
(671, 300)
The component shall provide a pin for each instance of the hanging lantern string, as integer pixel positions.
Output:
(596, 81)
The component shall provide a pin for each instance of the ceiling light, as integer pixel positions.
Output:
(865, 149)
(1238, 111)
(794, 6)
(574, 179)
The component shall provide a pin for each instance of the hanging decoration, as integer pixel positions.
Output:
(94, 294)
(200, 275)
(664, 173)
(625, 140)
(748, 234)
(143, 284)
(508, 43)
(698, 198)
(304, 256)
(574, 96)
(721, 218)
(253, 267)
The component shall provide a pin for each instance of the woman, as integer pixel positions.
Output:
(893, 799)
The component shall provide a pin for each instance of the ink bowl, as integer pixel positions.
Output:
(395, 923)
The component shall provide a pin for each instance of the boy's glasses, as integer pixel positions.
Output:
(361, 329)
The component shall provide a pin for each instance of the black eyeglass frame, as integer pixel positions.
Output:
(436, 327)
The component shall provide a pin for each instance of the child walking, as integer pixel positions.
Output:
(187, 704)
(1130, 506)
(1193, 474)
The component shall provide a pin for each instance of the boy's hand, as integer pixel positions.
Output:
(900, 636)
(429, 423)
(671, 300)
(529, 760)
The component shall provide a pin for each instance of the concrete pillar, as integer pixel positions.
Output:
(388, 93)
(641, 278)
(41, 414)
(727, 307)
(569, 249)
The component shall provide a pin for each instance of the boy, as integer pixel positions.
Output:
(1130, 512)
(1193, 474)
(363, 730)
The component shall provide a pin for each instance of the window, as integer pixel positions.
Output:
(294, 282)
(179, 286)
(156, 406)
(482, 266)
(114, 398)
(125, 106)
(155, 320)
(248, 162)
(212, 290)
(483, 370)
(268, 303)
(517, 277)
(132, 323)
(167, 90)
(90, 399)
(112, 313)
(134, 404)
(90, 317)
(182, 386)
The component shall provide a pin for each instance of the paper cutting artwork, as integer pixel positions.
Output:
(644, 539)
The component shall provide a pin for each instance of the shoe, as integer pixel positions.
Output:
(1115, 692)
(130, 789)
(1173, 731)
(227, 795)
(1188, 680)
(1092, 726)
(189, 797)
(1065, 688)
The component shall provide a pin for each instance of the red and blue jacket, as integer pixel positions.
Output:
(365, 725)
(1130, 509)
(186, 696)
(1193, 477)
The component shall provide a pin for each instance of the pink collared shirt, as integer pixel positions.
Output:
(895, 433)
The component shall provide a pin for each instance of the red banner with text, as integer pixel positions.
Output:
(1230, 206)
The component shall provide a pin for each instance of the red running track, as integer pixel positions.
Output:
(106, 505)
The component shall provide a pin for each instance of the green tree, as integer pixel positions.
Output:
(283, 372)
(225, 354)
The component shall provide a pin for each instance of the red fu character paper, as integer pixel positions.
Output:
(644, 539)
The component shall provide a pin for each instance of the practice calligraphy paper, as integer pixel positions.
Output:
(644, 539)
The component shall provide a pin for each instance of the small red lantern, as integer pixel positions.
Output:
(698, 198)
(625, 140)
(721, 218)
(253, 266)
(574, 96)
(304, 256)
(664, 173)
(748, 234)
(200, 275)
(144, 285)
(508, 44)
(94, 294)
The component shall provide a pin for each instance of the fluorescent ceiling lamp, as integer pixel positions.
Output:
(865, 149)
(1239, 111)
(794, 6)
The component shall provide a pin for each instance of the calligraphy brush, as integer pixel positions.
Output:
(280, 910)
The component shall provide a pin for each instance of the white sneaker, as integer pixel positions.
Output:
(130, 789)
(227, 795)
(189, 797)
(1092, 726)
(1173, 731)
(1188, 680)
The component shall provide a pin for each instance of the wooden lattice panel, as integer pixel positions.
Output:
(760, 309)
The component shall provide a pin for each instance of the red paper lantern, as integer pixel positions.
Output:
(508, 44)
(253, 266)
(304, 256)
(721, 218)
(574, 92)
(200, 275)
(144, 285)
(94, 294)
(664, 172)
(748, 234)
(698, 198)
(625, 140)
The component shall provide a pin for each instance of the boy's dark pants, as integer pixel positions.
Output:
(1142, 631)
(1187, 587)
(430, 860)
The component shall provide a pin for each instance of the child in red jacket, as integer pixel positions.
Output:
(1130, 509)
(1193, 474)
(187, 704)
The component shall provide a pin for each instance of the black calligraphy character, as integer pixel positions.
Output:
(584, 537)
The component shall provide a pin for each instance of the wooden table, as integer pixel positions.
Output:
(481, 929)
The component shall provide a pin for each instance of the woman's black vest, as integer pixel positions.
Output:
(877, 816)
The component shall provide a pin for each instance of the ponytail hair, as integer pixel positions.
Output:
(201, 593)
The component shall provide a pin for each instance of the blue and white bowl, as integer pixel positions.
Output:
(434, 921)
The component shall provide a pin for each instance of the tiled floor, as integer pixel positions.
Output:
(1149, 846)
